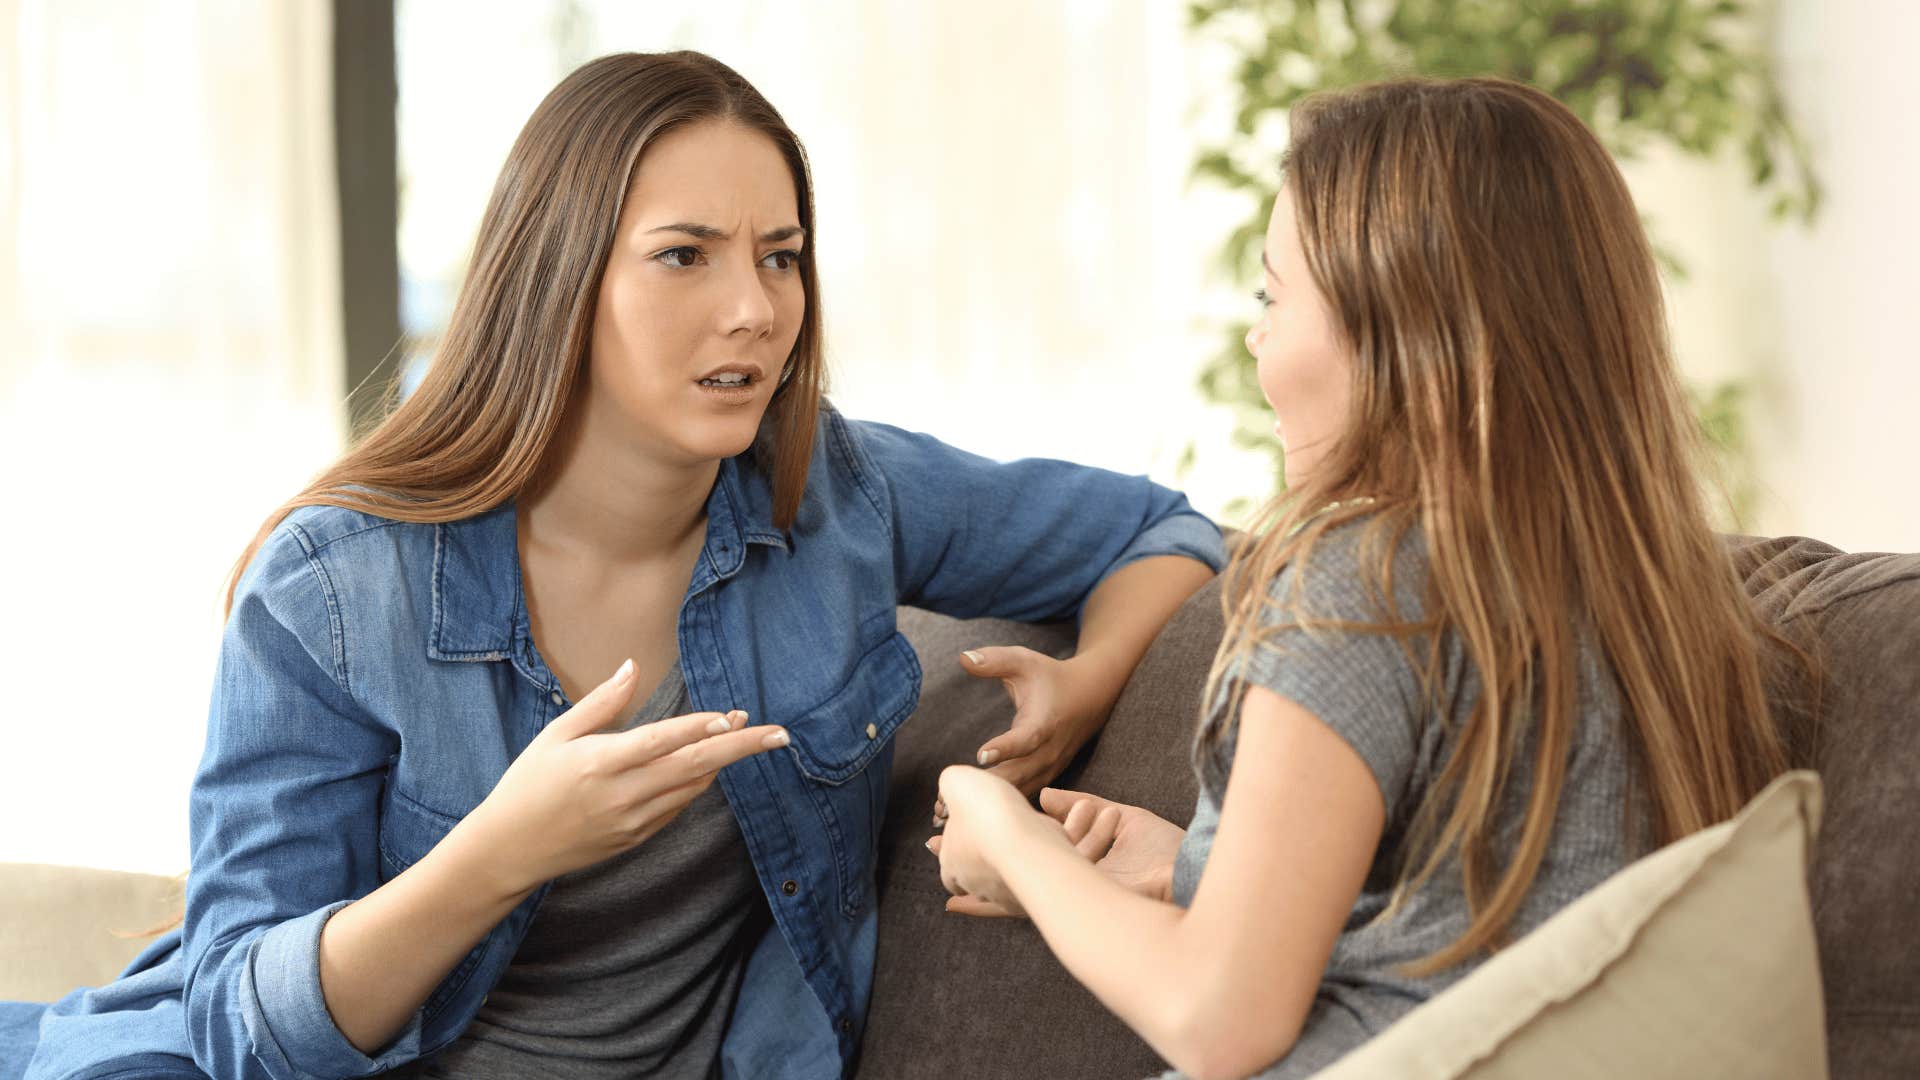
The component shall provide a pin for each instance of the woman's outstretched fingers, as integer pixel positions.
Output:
(1006, 663)
(651, 742)
(715, 752)
(599, 709)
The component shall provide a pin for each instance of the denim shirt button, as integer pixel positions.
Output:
(789, 887)
(557, 699)
(872, 731)
(846, 1025)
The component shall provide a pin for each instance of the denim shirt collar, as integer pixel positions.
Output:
(479, 610)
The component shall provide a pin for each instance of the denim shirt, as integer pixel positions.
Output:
(377, 678)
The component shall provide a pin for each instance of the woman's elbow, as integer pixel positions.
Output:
(1227, 1043)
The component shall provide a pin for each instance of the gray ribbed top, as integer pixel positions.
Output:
(1368, 691)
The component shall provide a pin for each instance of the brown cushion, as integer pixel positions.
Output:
(1861, 615)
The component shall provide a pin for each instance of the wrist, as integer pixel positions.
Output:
(1098, 676)
(470, 852)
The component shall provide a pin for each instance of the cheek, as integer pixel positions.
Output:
(636, 336)
(1302, 373)
(790, 309)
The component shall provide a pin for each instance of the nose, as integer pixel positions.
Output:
(748, 309)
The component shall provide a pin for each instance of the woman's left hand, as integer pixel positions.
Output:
(1058, 706)
(986, 812)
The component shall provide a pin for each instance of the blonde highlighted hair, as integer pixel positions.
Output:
(1514, 400)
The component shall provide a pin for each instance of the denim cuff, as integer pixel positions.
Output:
(288, 1002)
(1189, 533)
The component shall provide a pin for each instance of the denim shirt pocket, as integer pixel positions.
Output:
(408, 831)
(836, 741)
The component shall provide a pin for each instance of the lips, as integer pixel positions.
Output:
(736, 374)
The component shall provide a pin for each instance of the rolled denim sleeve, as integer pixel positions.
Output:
(284, 830)
(1025, 540)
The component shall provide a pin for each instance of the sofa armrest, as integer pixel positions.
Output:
(64, 927)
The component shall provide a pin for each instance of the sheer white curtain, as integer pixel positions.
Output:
(169, 371)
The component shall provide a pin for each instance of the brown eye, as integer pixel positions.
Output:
(783, 260)
(679, 257)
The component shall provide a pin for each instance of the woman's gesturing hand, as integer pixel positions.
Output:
(580, 794)
(1058, 706)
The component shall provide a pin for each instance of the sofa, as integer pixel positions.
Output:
(957, 996)
(962, 997)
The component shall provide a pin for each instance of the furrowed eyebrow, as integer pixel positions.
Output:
(708, 232)
(1269, 266)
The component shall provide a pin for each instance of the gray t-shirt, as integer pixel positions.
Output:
(1366, 688)
(630, 967)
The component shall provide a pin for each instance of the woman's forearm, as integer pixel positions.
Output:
(382, 955)
(1127, 611)
(1125, 948)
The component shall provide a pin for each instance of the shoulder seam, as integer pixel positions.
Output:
(837, 432)
(336, 629)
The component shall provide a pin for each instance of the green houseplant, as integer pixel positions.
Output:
(1692, 74)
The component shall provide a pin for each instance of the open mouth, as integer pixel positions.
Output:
(729, 381)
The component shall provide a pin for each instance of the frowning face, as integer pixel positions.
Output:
(702, 299)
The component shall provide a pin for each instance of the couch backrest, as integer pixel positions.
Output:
(955, 996)
(1859, 614)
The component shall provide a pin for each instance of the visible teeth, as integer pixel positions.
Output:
(725, 380)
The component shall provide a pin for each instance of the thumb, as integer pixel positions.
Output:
(996, 661)
(598, 709)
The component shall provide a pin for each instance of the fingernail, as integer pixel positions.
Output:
(719, 726)
(973, 656)
(988, 757)
(626, 669)
(740, 713)
(930, 844)
(775, 740)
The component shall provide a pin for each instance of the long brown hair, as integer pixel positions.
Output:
(477, 430)
(1514, 400)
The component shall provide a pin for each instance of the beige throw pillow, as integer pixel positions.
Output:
(1697, 961)
(57, 925)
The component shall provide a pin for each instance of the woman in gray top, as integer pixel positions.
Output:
(1485, 649)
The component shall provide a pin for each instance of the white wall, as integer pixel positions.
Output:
(1816, 319)
(1841, 434)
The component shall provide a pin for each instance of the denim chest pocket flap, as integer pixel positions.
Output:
(835, 739)
(408, 830)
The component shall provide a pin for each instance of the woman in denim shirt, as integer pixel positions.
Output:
(620, 462)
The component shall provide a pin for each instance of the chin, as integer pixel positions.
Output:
(711, 438)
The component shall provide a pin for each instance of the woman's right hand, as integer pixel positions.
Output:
(578, 795)
(1135, 847)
